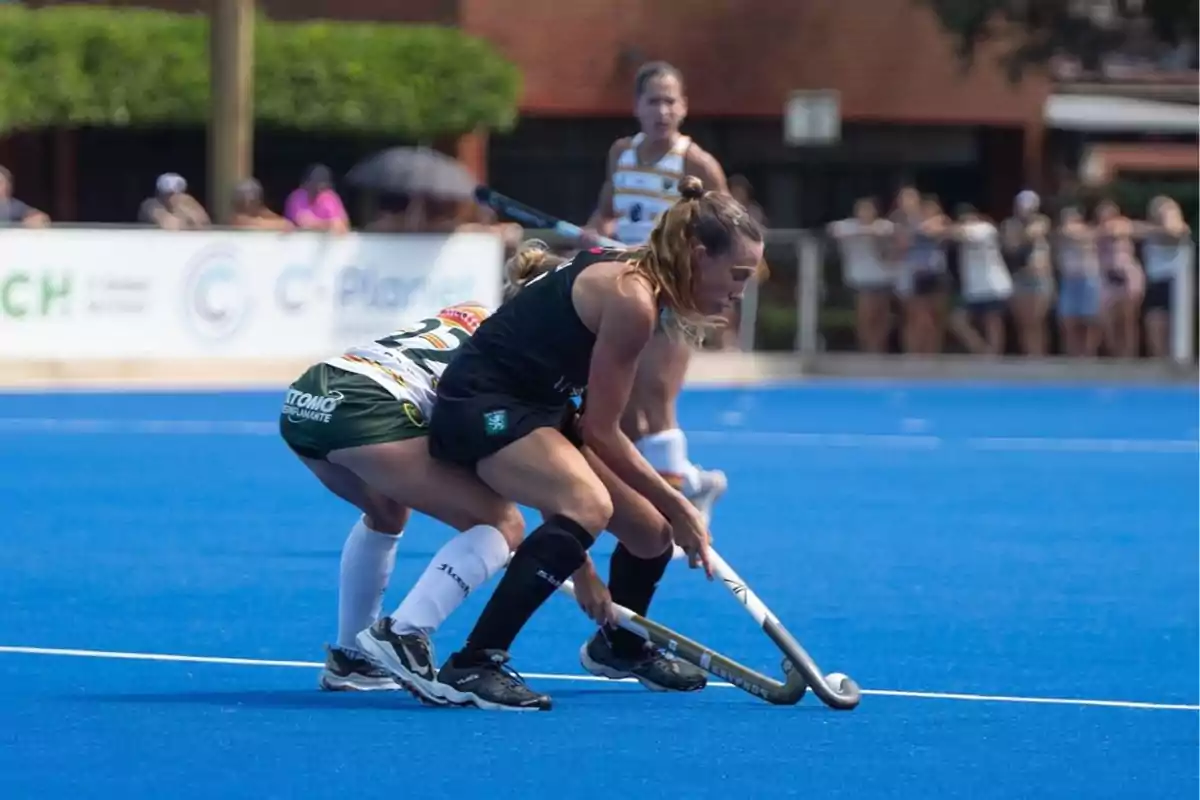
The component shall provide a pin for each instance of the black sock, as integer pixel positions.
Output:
(632, 582)
(548, 557)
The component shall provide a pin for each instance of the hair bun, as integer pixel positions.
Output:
(691, 188)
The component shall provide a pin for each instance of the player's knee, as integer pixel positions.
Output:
(651, 541)
(511, 525)
(387, 518)
(591, 507)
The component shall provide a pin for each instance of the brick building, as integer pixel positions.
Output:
(909, 110)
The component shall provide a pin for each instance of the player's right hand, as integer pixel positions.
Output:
(690, 532)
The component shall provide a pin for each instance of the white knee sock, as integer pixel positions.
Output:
(464, 563)
(368, 558)
(667, 452)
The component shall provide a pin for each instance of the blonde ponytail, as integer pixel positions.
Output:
(533, 257)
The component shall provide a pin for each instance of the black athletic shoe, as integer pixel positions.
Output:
(407, 656)
(488, 683)
(347, 671)
(653, 669)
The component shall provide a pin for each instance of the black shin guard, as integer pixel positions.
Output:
(548, 557)
(632, 582)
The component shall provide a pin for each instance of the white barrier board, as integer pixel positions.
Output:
(143, 294)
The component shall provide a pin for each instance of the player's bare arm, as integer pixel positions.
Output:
(603, 219)
(701, 164)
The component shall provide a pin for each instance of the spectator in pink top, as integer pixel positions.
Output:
(315, 206)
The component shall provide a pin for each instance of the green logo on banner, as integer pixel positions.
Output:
(25, 294)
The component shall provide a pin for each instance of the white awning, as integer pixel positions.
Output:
(1103, 113)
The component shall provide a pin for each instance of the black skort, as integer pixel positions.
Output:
(465, 430)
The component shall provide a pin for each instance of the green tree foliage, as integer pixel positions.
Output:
(90, 65)
(1033, 31)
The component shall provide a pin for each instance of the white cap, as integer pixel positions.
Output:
(170, 183)
(1028, 200)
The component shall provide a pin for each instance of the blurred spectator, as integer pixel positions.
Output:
(1079, 284)
(1167, 252)
(866, 270)
(480, 218)
(15, 212)
(921, 229)
(1025, 238)
(1123, 281)
(315, 206)
(402, 213)
(171, 207)
(1020, 265)
(405, 213)
(390, 214)
(985, 283)
(250, 212)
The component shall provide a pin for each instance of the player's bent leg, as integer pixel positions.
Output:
(490, 528)
(633, 420)
(638, 565)
(368, 558)
(355, 427)
(404, 472)
(541, 470)
(667, 452)
(662, 372)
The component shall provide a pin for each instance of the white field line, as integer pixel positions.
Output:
(262, 662)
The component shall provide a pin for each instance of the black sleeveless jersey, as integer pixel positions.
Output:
(534, 347)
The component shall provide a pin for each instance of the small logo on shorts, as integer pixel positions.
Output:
(304, 407)
(495, 422)
(413, 413)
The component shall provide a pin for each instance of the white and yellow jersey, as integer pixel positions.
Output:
(640, 193)
(408, 362)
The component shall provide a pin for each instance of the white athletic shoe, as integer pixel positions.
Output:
(408, 657)
(713, 484)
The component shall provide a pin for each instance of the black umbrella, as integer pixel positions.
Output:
(414, 171)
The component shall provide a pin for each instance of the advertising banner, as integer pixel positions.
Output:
(130, 294)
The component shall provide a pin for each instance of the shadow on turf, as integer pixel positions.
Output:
(310, 700)
(334, 555)
(305, 700)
